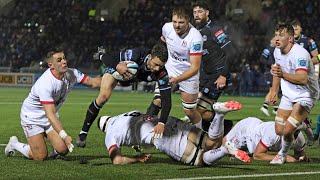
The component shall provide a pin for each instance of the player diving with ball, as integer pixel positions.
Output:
(182, 141)
(151, 68)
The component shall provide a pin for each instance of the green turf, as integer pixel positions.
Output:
(99, 166)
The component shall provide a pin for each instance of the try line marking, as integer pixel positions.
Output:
(248, 176)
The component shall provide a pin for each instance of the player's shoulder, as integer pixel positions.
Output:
(167, 26)
(297, 49)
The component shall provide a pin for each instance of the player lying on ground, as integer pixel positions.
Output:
(182, 141)
(258, 137)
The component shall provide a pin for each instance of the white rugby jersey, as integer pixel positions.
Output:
(265, 134)
(48, 90)
(180, 49)
(124, 129)
(297, 59)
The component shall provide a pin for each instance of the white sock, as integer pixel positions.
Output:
(285, 146)
(83, 132)
(22, 148)
(199, 124)
(212, 156)
(216, 126)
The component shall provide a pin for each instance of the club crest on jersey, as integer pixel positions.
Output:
(184, 44)
(302, 62)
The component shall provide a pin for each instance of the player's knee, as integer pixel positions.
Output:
(40, 157)
(191, 106)
(291, 126)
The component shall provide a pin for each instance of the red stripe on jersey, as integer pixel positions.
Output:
(218, 33)
(84, 78)
(302, 69)
(194, 54)
(265, 146)
(111, 147)
(46, 102)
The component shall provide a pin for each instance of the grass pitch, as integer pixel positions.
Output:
(98, 164)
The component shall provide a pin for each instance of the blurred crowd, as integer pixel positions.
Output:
(33, 27)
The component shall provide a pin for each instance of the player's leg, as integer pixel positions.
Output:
(265, 106)
(298, 114)
(58, 144)
(204, 107)
(189, 104)
(107, 85)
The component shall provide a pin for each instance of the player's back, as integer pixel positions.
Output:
(131, 128)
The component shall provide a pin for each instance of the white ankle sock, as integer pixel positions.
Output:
(22, 148)
(212, 156)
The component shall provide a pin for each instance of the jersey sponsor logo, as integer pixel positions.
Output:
(128, 55)
(313, 44)
(221, 37)
(302, 62)
(177, 57)
(196, 46)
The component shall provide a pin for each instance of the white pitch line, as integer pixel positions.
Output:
(3, 144)
(248, 176)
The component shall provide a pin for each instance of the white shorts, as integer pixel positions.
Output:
(287, 103)
(174, 140)
(190, 87)
(241, 131)
(32, 129)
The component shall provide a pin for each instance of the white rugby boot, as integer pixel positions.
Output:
(279, 159)
(237, 153)
(225, 107)
(9, 151)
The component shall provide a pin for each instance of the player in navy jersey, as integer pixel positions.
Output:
(151, 68)
(267, 59)
(310, 45)
(214, 71)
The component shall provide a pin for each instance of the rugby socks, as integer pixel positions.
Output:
(22, 148)
(153, 109)
(265, 105)
(275, 108)
(91, 115)
(285, 146)
(216, 127)
(212, 156)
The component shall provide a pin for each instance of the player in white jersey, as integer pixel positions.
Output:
(39, 111)
(298, 84)
(181, 141)
(258, 137)
(184, 44)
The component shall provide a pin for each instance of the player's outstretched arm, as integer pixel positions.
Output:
(260, 153)
(117, 158)
(92, 82)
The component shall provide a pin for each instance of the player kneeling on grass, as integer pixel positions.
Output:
(259, 137)
(39, 111)
(181, 141)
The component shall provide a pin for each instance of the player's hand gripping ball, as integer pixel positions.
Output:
(133, 69)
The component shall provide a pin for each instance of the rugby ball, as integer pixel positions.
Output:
(133, 69)
(102, 123)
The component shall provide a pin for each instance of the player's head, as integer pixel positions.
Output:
(158, 57)
(297, 28)
(56, 60)
(200, 12)
(284, 36)
(180, 20)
